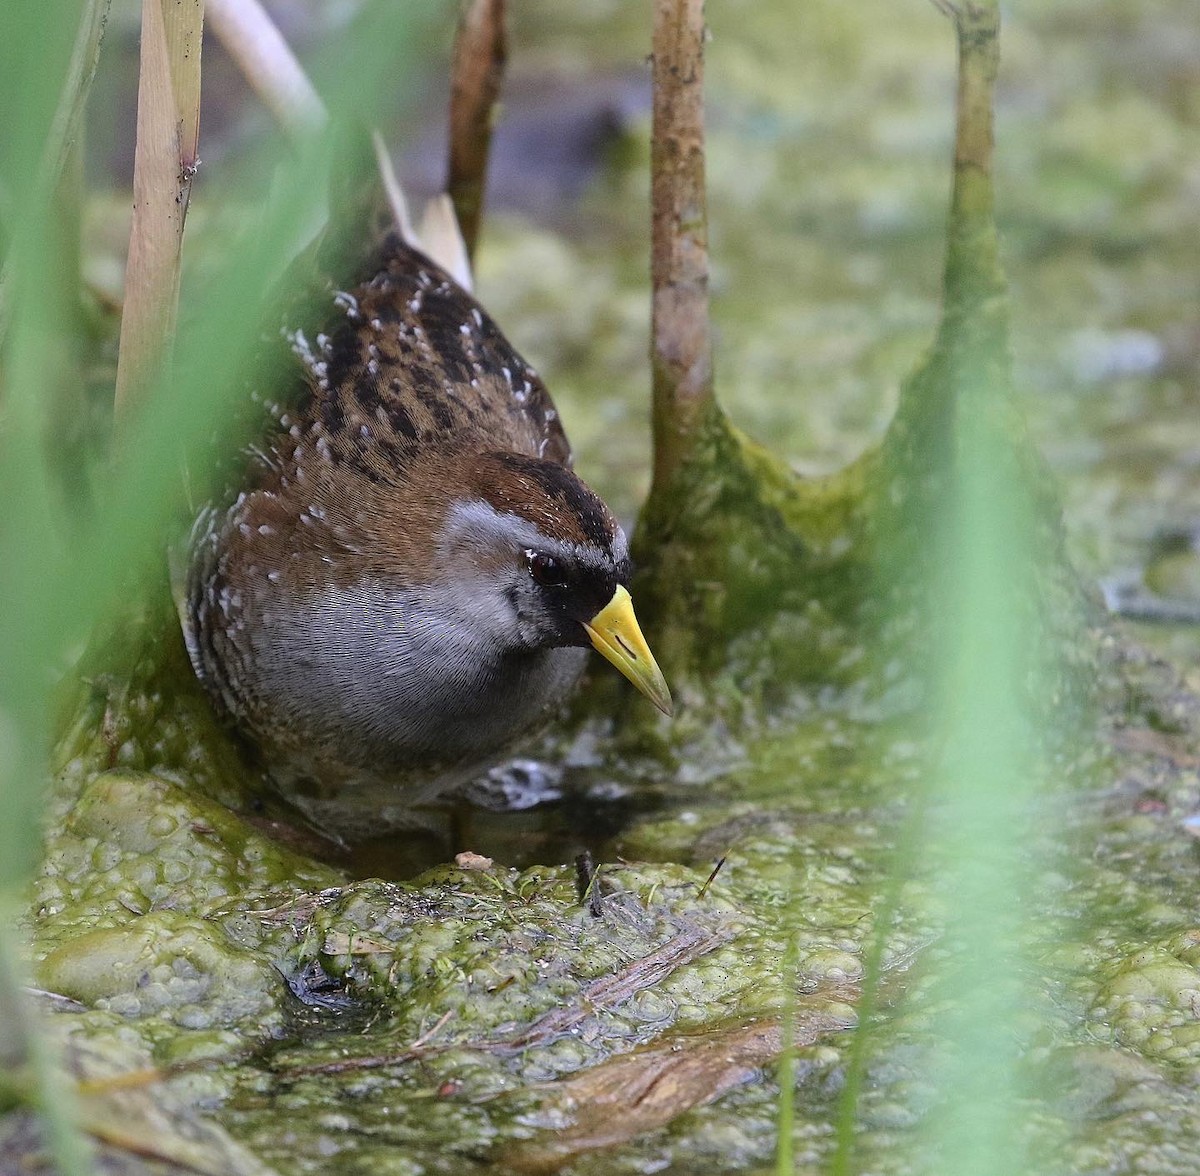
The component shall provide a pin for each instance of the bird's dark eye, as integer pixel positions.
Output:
(546, 570)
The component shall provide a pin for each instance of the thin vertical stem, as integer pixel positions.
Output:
(845, 1121)
(168, 130)
(681, 346)
(65, 425)
(480, 54)
(990, 697)
(972, 224)
(267, 62)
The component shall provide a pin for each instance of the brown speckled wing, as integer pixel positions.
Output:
(406, 358)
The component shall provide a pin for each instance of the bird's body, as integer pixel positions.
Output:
(407, 574)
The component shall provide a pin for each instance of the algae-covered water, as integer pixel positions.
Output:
(281, 1006)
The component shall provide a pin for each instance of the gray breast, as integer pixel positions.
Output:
(382, 681)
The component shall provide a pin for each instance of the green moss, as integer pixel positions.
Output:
(165, 965)
(500, 947)
(1148, 999)
(134, 842)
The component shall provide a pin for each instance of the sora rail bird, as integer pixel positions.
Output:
(406, 574)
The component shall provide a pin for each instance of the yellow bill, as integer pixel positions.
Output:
(615, 634)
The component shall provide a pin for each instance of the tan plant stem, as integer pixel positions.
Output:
(681, 346)
(977, 27)
(168, 129)
(477, 71)
(266, 60)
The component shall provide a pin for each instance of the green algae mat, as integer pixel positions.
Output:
(231, 1006)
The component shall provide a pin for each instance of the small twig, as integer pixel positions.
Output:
(973, 273)
(126, 1080)
(613, 990)
(352, 1065)
(585, 867)
(266, 60)
(55, 1000)
(712, 877)
(978, 29)
(153, 1075)
(586, 876)
(476, 74)
(165, 161)
(432, 1032)
(418, 1049)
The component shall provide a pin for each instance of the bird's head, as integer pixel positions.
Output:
(537, 560)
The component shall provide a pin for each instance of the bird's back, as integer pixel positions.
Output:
(403, 358)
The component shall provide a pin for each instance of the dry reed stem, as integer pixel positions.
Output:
(168, 129)
(681, 346)
(476, 74)
(267, 62)
(392, 190)
(440, 237)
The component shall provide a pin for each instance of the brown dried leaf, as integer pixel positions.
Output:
(644, 1090)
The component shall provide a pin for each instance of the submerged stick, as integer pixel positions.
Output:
(480, 53)
(168, 130)
(681, 346)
